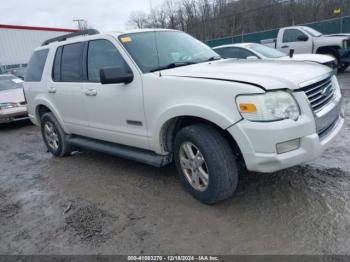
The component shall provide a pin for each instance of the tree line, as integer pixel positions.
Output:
(209, 19)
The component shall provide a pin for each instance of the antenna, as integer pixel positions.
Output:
(82, 24)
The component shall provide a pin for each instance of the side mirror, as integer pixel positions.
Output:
(115, 75)
(291, 53)
(302, 38)
(252, 57)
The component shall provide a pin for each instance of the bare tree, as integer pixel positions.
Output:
(208, 19)
(138, 19)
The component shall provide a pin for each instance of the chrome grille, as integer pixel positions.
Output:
(320, 93)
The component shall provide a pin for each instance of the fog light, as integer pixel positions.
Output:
(288, 146)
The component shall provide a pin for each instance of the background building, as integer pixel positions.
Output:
(17, 44)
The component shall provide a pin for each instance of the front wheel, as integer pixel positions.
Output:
(205, 162)
(343, 67)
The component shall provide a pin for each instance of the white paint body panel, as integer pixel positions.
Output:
(308, 47)
(318, 58)
(207, 90)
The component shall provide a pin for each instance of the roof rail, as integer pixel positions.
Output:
(66, 36)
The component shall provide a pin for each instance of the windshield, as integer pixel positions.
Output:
(312, 31)
(10, 82)
(155, 50)
(266, 51)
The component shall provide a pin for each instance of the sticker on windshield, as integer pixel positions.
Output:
(126, 39)
(17, 81)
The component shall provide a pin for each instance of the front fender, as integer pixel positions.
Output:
(209, 114)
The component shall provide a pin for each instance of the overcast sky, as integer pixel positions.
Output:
(104, 15)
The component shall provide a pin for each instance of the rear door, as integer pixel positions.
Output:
(115, 111)
(66, 87)
(292, 39)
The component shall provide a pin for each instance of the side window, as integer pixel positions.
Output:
(234, 52)
(291, 35)
(71, 62)
(56, 71)
(103, 54)
(36, 66)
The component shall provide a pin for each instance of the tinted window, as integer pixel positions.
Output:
(103, 54)
(291, 35)
(266, 51)
(56, 71)
(36, 66)
(71, 63)
(234, 52)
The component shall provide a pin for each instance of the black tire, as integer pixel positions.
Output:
(343, 68)
(219, 159)
(64, 148)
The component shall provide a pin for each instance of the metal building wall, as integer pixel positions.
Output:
(16, 45)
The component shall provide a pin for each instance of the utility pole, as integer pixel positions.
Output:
(82, 24)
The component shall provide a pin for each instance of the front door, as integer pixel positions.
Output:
(115, 111)
(297, 40)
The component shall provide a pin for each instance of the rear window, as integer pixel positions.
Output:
(10, 82)
(36, 66)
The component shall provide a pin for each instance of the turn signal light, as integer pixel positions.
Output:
(247, 108)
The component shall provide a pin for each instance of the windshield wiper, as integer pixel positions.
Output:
(172, 65)
(213, 58)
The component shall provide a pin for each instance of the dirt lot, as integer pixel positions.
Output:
(92, 203)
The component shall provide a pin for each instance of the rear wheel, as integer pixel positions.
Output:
(205, 163)
(54, 136)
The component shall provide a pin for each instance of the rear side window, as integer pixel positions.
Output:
(67, 66)
(36, 66)
(56, 72)
(71, 63)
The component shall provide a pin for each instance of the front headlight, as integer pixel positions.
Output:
(271, 106)
(7, 105)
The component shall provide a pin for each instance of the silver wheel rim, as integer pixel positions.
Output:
(194, 166)
(51, 135)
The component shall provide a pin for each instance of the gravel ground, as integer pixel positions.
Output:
(92, 203)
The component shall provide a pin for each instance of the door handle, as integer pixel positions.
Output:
(90, 92)
(285, 46)
(52, 90)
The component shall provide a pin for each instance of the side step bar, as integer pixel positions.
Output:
(136, 154)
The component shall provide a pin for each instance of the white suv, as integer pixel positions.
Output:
(158, 95)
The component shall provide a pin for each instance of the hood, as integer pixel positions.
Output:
(267, 74)
(321, 59)
(12, 96)
(334, 39)
(335, 35)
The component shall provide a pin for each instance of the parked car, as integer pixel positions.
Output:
(12, 101)
(2, 69)
(306, 40)
(158, 96)
(259, 51)
(19, 72)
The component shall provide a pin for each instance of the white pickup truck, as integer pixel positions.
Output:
(161, 96)
(306, 40)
